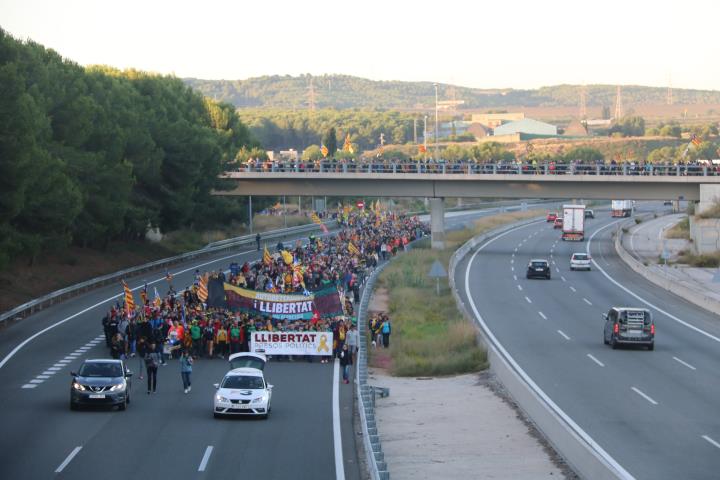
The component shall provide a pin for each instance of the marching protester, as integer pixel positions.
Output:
(345, 362)
(186, 366)
(152, 360)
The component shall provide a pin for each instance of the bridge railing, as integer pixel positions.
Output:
(504, 168)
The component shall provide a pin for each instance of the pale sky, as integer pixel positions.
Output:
(475, 43)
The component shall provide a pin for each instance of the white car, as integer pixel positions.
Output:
(243, 390)
(580, 261)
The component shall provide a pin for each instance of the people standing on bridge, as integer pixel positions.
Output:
(257, 240)
(186, 366)
(152, 360)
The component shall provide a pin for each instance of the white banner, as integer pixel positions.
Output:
(292, 343)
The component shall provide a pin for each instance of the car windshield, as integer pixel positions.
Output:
(103, 369)
(539, 264)
(246, 382)
(580, 256)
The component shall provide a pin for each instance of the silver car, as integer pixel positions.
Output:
(101, 382)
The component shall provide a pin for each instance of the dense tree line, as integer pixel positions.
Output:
(344, 91)
(91, 155)
(282, 129)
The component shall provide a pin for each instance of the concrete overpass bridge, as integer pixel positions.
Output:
(660, 182)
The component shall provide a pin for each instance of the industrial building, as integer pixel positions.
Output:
(527, 126)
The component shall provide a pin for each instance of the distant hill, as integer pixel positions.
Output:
(344, 91)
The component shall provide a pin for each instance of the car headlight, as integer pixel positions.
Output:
(220, 398)
(260, 399)
(115, 388)
(77, 386)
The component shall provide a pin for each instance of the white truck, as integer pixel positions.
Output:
(621, 208)
(573, 223)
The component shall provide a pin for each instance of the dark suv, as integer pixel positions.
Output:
(101, 382)
(538, 268)
(629, 326)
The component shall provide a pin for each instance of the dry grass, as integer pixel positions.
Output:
(705, 260)
(712, 212)
(430, 336)
(680, 230)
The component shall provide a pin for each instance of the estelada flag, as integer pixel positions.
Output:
(316, 219)
(157, 301)
(422, 149)
(353, 249)
(347, 146)
(267, 259)
(143, 294)
(129, 300)
(202, 292)
(695, 140)
(324, 151)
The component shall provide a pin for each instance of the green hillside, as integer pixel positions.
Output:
(343, 91)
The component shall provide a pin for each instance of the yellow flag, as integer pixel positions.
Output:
(287, 257)
(267, 259)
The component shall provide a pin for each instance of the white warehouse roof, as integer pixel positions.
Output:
(528, 126)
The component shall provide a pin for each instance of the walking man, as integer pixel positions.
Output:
(186, 364)
(152, 360)
(345, 362)
(257, 240)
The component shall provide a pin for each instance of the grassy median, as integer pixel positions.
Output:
(430, 336)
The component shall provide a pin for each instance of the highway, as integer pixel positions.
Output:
(655, 413)
(170, 434)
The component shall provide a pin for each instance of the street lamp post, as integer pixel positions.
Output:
(437, 158)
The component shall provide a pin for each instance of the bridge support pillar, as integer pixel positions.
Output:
(709, 196)
(437, 223)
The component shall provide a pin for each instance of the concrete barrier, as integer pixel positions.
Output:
(578, 449)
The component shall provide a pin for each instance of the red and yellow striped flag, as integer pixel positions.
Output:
(316, 219)
(129, 300)
(267, 259)
(353, 249)
(202, 292)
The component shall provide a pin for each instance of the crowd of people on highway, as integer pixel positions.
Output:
(182, 326)
(469, 166)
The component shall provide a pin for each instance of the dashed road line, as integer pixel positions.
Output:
(528, 299)
(646, 397)
(205, 458)
(573, 289)
(711, 441)
(29, 385)
(520, 287)
(563, 334)
(563, 279)
(595, 360)
(515, 277)
(557, 269)
(542, 315)
(69, 458)
(587, 301)
(684, 363)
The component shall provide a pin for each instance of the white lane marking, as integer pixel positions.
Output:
(551, 251)
(44, 377)
(512, 260)
(515, 277)
(69, 458)
(632, 236)
(595, 360)
(563, 279)
(59, 365)
(78, 352)
(54, 368)
(512, 269)
(587, 301)
(573, 289)
(48, 372)
(646, 397)
(512, 256)
(630, 292)
(662, 230)
(74, 355)
(542, 315)
(206, 457)
(528, 299)
(553, 262)
(557, 269)
(69, 358)
(713, 442)
(102, 302)
(515, 249)
(685, 363)
(35, 380)
(29, 385)
(64, 361)
(520, 287)
(337, 437)
(619, 470)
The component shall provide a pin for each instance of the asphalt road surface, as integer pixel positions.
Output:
(170, 434)
(655, 413)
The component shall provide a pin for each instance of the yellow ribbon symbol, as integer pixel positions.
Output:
(323, 344)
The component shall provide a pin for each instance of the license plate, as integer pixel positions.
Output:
(538, 269)
(635, 333)
(241, 406)
(96, 395)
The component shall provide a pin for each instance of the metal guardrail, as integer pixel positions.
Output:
(450, 168)
(377, 466)
(28, 308)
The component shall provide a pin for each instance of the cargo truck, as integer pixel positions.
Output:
(573, 223)
(621, 208)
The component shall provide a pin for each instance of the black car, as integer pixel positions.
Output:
(101, 382)
(589, 214)
(538, 268)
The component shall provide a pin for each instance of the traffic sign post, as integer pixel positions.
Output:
(360, 204)
(437, 271)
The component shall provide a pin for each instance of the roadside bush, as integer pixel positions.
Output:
(680, 230)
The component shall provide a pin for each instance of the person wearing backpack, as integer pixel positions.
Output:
(186, 364)
(152, 360)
